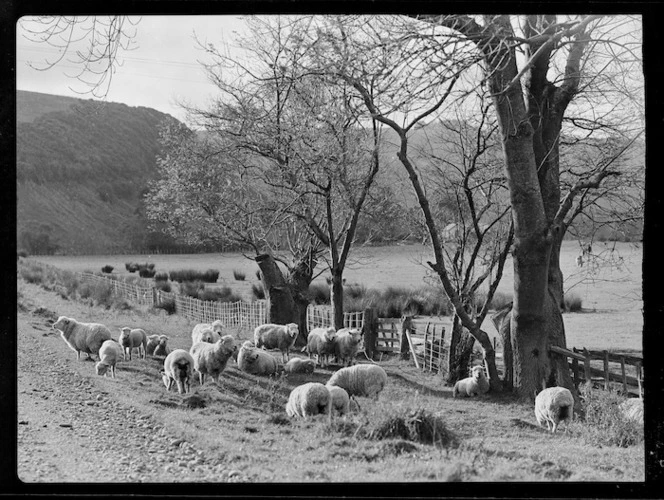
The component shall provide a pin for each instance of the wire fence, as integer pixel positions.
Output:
(321, 317)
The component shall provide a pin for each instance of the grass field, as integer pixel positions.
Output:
(609, 283)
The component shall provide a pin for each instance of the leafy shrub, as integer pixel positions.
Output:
(182, 275)
(239, 275)
(257, 291)
(605, 424)
(107, 269)
(573, 303)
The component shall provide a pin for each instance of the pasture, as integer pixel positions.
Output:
(609, 283)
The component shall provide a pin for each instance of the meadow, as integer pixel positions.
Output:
(608, 284)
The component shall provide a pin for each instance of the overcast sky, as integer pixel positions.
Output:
(160, 70)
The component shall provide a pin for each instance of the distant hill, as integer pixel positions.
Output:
(81, 167)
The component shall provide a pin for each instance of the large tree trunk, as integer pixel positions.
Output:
(461, 349)
(337, 300)
(501, 320)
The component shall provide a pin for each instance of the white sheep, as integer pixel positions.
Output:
(308, 400)
(207, 332)
(271, 336)
(256, 361)
(162, 350)
(153, 342)
(632, 410)
(474, 385)
(320, 342)
(360, 380)
(109, 353)
(340, 399)
(211, 359)
(554, 405)
(178, 369)
(131, 338)
(346, 344)
(82, 337)
(300, 365)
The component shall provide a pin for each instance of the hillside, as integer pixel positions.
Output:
(81, 166)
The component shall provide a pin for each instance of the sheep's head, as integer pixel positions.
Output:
(61, 324)
(217, 326)
(165, 378)
(330, 334)
(207, 336)
(226, 344)
(101, 368)
(293, 329)
(248, 344)
(162, 340)
(477, 372)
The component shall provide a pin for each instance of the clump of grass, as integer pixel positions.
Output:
(182, 275)
(573, 303)
(167, 304)
(132, 267)
(197, 290)
(164, 286)
(102, 295)
(146, 273)
(257, 291)
(162, 276)
(418, 426)
(107, 269)
(239, 275)
(32, 273)
(605, 424)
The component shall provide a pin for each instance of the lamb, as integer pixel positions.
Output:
(211, 359)
(346, 345)
(632, 410)
(474, 385)
(308, 400)
(340, 399)
(554, 405)
(299, 365)
(178, 368)
(82, 337)
(131, 338)
(162, 349)
(320, 342)
(109, 353)
(153, 342)
(256, 361)
(360, 380)
(271, 336)
(207, 332)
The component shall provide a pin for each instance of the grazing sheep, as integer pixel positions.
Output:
(308, 400)
(474, 385)
(205, 332)
(256, 361)
(162, 349)
(82, 337)
(632, 410)
(131, 338)
(153, 342)
(178, 368)
(554, 405)
(109, 353)
(360, 380)
(346, 344)
(211, 359)
(299, 365)
(320, 342)
(340, 399)
(271, 336)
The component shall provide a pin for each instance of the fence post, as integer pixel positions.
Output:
(586, 365)
(606, 370)
(426, 337)
(370, 328)
(440, 349)
(406, 325)
(624, 375)
(575, 371)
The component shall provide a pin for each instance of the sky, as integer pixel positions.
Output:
(161, 69)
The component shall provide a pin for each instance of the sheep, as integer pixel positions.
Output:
(554, 405)
(632, 410)
(133, 337)
(320, 342)
(346, 345)
(256, 361)
(300, 365)
(153, 342)
(206, 332)
(360, 380)
(82, 337)
(474, 385)
(162, 349)
(211, 359)
(308, 400)
(340, 399)
(109, 353)
(271, 336)
(178, 368)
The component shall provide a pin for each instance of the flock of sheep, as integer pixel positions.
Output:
(210, 353)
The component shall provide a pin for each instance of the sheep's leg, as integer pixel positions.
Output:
(201, 377)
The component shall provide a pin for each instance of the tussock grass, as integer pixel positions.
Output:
(182, 275)
(573, 302)
(239, 275)
(257, 291)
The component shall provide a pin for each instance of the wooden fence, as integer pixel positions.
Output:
(321, 317)
(614, 368)
(425, 341)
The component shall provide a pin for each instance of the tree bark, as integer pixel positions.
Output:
(281, 307)
(337, 300)
(461, 349)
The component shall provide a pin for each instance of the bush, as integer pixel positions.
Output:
(107, 269)
(146, 273)
(257, 291)
(239, 275)
(160, 277)
(164, 286)
(182, 275)
(319, 293)
(191, 288)
(605, 424)
(167, 304)
(573, 303)
(33, 273)
(132, 267)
